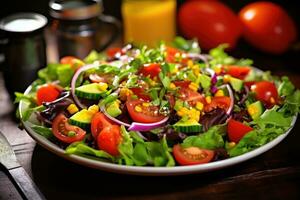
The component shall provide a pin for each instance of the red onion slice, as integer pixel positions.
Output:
(228, 112)
(136, 126)
(202, 57)
(112, 118)
(73, 82)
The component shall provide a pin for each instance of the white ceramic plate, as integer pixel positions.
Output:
(150, 171)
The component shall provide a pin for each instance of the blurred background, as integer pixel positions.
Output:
(287, 59)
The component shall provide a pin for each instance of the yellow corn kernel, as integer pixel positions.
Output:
(252, 110)
(93, 109)
(193, 86)
(199, 106)
(182, 111)
(272, 100)
(138, 108)
(190, 63)
(146, 104)
(218, 69)
(124, 93)
(231, 144)
(172, 86)
(152, 82)
(208, 99)
(196, 72)
(103, 86)
(72, 108)
(226, 78)
(219, 93)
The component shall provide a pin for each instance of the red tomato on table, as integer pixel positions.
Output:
(211, 22)
(268, 27)
(192, 155)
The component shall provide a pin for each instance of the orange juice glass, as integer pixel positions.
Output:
(149, 21)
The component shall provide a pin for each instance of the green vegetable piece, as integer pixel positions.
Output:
(90, 91)
(113, 109)
(255, 109)
(82, 118)
(64, 75)
(188, 126)
(236, 84)
(43, 131)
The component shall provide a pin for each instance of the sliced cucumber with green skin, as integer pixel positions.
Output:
(189, 126)
(82, 119)
(237, 84)
(255, 109)
(90, 91)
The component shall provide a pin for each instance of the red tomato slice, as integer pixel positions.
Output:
(109, 139)
(186, 94)
(218, 102)
(140, 92)
(266, 92)
(182, 84)
(151, 70)
(172, 54)
(141, 113)
(62, 129)
(73, 61)
(47, 93)
(237, 71)
(192, 155)
(236, 130)
(99, 122)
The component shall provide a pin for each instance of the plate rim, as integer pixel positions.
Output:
(149, 170)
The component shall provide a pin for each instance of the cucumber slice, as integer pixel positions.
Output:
(90, 91)
(189, 126)
(82, 119)
(236, 84)
(255, 109)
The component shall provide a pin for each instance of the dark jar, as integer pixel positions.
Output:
(78, 27)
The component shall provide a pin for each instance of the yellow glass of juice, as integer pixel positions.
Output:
(149, 21)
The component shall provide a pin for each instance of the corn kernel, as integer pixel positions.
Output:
(193, 86)
(172, 86)
(72, 108)
(231, 144)
(182, 111)
(103, 86)
(146, 104)
(218, 69)
(272, 100)
(219, 93)
(226, 78)
(208, 99)
(138, 108)
(252, 110)
(190, 63)
(124, 93)
(93, 109)
(196, 72)
(199, 106)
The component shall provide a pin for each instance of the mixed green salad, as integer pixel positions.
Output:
(165, 106)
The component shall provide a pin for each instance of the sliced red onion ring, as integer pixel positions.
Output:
(212, 74)
(228, 112)
(136, 126)
(112, 118)
(73, 82)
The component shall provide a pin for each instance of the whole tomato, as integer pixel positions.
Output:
(211, 22)
(268, 27)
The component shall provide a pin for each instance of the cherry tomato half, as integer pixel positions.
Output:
(47, 93)
(98, 123)
(268, 27)
(218, 102)
(73, 61)
(139, 111)
(237, 71)
(266, 92)
(114, 51)
(151, 70)
(65, 132)
(186, 94)
(211, 22)
(192, 155)
(109, 139)
(236, 130)
(140, 92)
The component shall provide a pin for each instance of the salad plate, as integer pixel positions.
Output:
(154, 112)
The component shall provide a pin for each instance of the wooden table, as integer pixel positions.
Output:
(273, 175)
